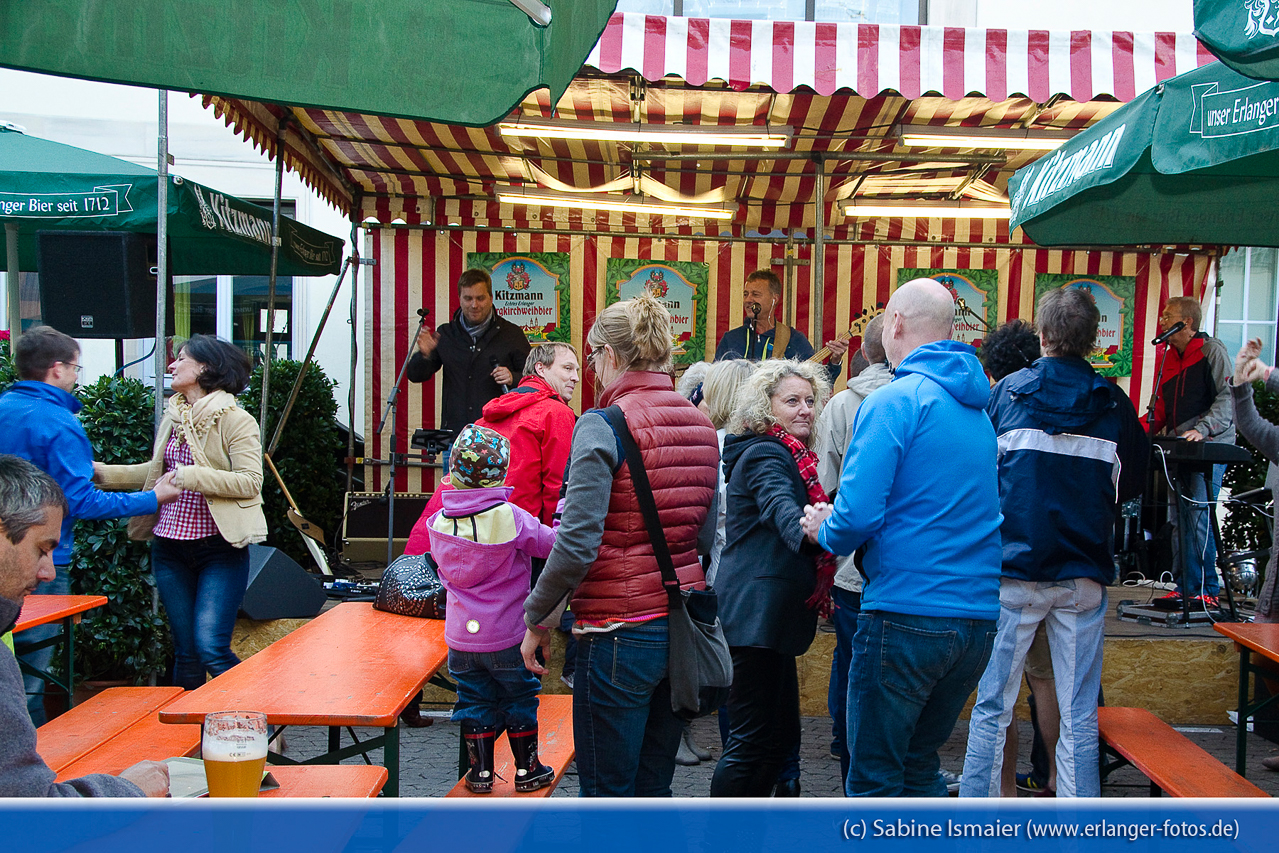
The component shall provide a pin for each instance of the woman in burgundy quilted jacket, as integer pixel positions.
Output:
(624, 731)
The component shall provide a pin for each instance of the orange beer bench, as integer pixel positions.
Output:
(1171, 761)
(554, 748)
(115, 729)
(120, 727)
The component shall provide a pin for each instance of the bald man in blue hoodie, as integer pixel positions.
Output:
(919, 489)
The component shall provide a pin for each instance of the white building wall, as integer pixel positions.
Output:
(1141, 16)
(122, 121)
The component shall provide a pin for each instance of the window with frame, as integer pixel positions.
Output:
(1247, 308)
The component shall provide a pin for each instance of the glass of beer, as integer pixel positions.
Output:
(234, 751)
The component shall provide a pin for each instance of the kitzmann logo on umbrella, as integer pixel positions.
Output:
(1263, 18)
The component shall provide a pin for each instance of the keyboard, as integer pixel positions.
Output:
(1207, 452)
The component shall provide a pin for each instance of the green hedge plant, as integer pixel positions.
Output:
(306, 457)
(124, 640)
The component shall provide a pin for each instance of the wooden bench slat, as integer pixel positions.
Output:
(554, 748)
(326, 780)
(87, 726)
(1168, 758)
(147, 739)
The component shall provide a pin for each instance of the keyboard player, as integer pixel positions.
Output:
(1192, 401)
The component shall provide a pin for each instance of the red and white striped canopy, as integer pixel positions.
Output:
(870, 59)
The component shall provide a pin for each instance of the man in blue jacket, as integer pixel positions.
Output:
(1070, 449)
(38, 423)
(919, 490)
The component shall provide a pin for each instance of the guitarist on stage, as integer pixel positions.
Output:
(762, 336)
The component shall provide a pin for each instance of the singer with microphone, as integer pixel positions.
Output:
(762, 336)
(481, 353)
(1193, 401)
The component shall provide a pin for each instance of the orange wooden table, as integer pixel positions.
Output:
(350, 666)
(67, 609)
(1258, 647)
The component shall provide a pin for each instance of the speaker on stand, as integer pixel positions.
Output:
(99, 284)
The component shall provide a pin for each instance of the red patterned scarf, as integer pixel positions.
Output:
(807, 462)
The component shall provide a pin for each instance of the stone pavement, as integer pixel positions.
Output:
(429, 758)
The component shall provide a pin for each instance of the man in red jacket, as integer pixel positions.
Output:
(535, 417)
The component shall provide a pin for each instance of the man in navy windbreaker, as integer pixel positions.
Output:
(38, 422)
(1070, 449)
(919, 489)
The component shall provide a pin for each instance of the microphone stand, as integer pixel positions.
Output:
(388, 413)
(751, 334)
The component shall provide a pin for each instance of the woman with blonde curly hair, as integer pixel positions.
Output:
(625, 733)
(772, 582)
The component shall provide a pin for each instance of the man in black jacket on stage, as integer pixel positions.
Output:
(482, 354)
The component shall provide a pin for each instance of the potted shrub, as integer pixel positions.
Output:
(306, 457)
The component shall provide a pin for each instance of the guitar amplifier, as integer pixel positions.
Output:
(364, 524)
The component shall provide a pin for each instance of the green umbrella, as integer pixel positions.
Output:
(1193, 160)
(455, 61)
(46, 186)
(1243, 34)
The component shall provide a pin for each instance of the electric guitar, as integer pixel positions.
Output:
(858, 328)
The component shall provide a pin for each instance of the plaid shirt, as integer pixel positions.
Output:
(188, 517)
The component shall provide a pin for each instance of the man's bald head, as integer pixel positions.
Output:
(920, 311)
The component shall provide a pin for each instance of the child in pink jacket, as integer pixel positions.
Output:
(484, 545)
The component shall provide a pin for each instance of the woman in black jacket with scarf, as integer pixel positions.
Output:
(772, 583)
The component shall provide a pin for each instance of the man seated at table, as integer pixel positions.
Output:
(31, 511)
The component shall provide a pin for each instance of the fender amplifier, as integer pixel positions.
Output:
(364, 524)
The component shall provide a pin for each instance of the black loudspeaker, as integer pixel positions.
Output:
(99, 284)
(279, 588)
(364, 528)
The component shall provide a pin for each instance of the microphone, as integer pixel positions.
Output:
(1172, 330)
(493, 364)
(422, 312)
(754, 308)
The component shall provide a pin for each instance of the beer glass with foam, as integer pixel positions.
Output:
(234, 751)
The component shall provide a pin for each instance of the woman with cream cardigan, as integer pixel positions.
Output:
(210, 448)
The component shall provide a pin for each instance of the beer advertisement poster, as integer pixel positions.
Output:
(679, 285)
(531, 289)
(976, 290)
(1115, 296)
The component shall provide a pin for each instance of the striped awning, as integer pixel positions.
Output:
(870, 59)
(843, 88)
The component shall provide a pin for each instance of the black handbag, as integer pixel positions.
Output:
(699, 665)
(411, 587)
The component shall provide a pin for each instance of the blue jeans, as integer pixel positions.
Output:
(910, 678)
(847, 606)
(1073, 612)
(41, 659)
(494, 689)
(1195, 542)
(201, 584)
(623, 729)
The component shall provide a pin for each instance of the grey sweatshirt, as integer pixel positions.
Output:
(23, 772)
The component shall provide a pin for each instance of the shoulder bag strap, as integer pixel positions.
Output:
(648, 506)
